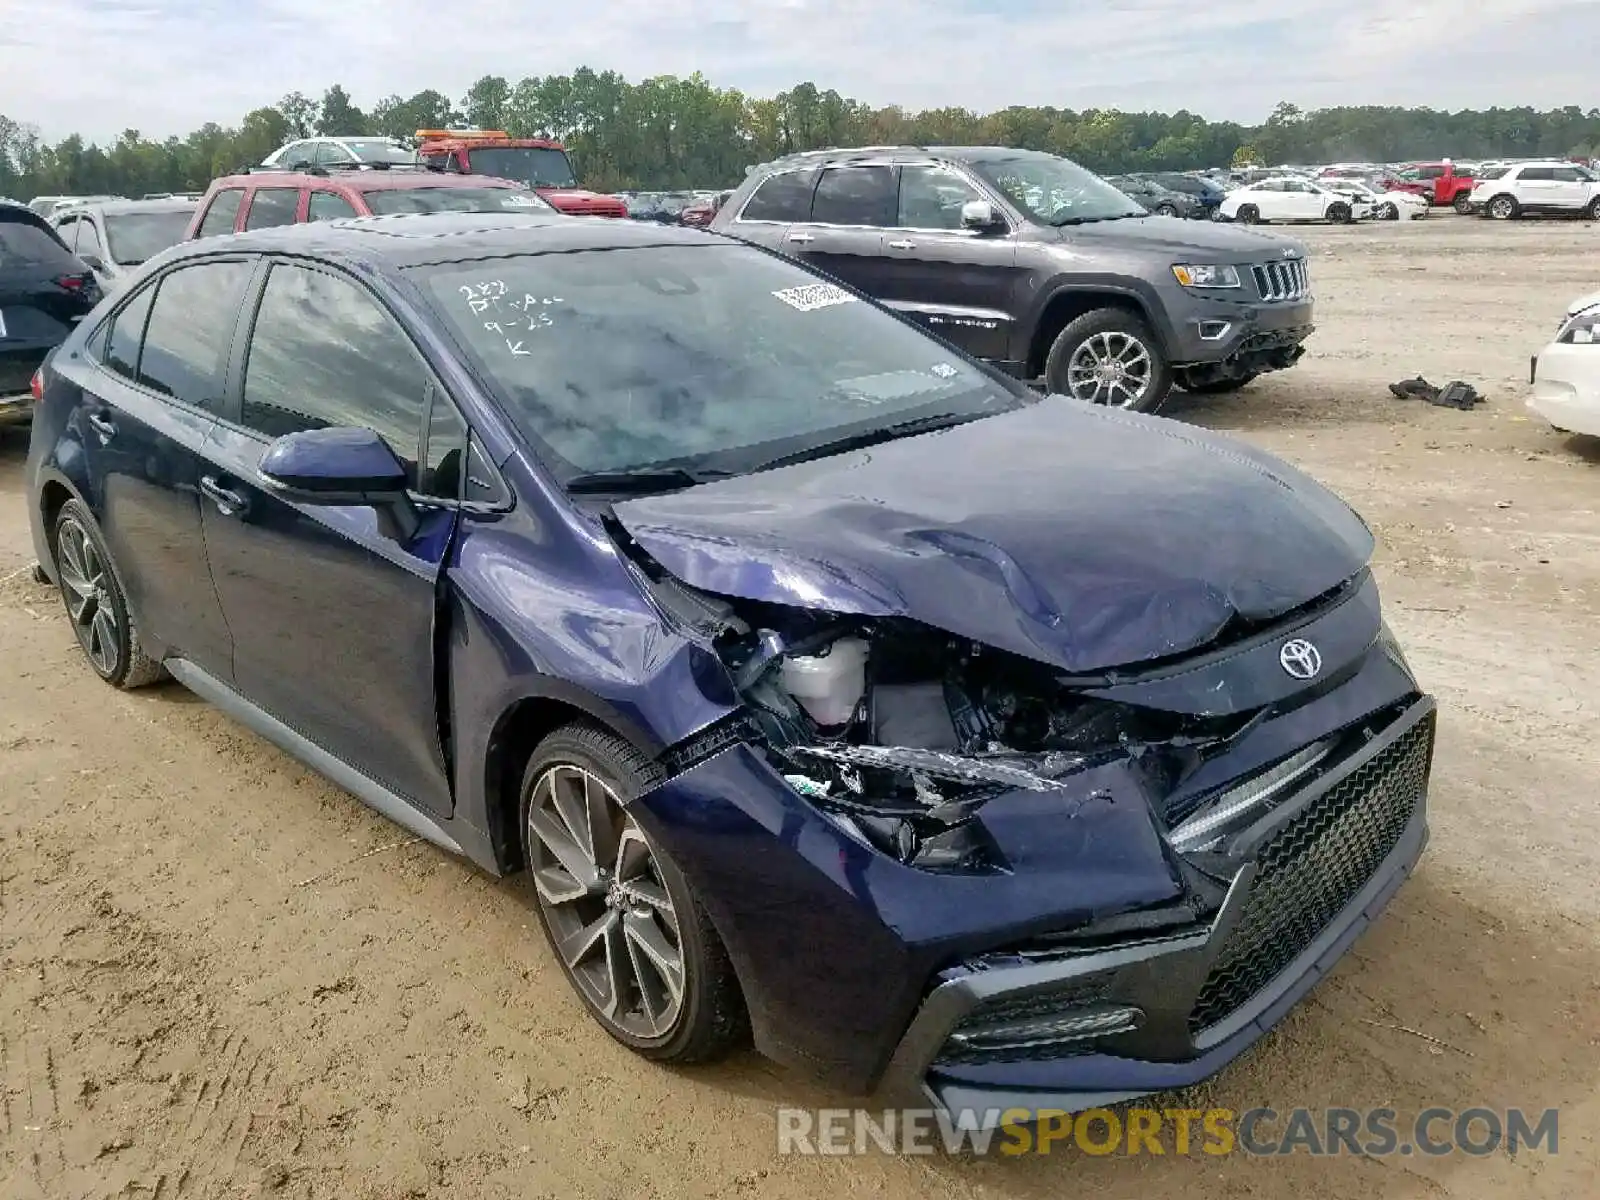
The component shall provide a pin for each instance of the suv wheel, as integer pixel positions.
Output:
(1503, 208)
(625, 926)
(1109, 356)
(1593, 211)
(96, 604)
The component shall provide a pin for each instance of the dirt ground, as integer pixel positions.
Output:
(207, 990)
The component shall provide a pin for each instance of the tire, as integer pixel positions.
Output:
(96, 604)
(1464, 204)
(1218, 387)
(1102, 338)
(1340, 214)
(1166, 210)
(1388, 211)
(1592, 213)
(1503, 208)
(1248, 214)
(649, 911)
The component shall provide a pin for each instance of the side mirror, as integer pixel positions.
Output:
(93, 261)
(342, 466)
(978, 214)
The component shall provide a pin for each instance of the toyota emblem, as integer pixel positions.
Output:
(1300, 659)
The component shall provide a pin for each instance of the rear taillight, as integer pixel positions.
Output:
(74, 283)
(36, 384)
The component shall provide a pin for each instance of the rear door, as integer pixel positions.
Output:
(961, 283)
(852, 207)
(44, 293)
(777, 203)
(270, 206)
(1571, 188)
(333, 621)
(222, 213)
(148, 402)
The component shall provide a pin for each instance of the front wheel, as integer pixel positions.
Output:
(1593, 211)
(1464, 204)
(1340, 214)
(624, 924)
(1166, 210)
(1390, 211)
(1503, 208)
(96, 603)
(1109, 356)
(1249, 214)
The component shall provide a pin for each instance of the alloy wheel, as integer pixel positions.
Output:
(1502, 208)
(1111, 368)
(85, 585)
(606, 903)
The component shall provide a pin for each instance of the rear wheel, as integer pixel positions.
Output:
(1593, 211)
(96, 604)
(1504, 208)
(625, 926)
(1388, 211)
(1464, 204)
(1340, 214)
(1166, 210)
(1109, 356)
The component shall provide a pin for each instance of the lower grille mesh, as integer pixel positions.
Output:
(1313, 867)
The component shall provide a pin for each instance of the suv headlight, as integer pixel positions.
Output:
(1581, 329)
(1207, 276)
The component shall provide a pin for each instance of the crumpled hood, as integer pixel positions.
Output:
(1078, 536)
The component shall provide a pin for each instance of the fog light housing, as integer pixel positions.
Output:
(1214, 331)
(1055, 1029)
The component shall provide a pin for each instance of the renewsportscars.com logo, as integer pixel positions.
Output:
(1260, 1132)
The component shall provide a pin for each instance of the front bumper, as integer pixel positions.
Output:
(1311, 876)
(1566, 387)
(1214, 338)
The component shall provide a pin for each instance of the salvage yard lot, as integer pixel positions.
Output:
(221, 976)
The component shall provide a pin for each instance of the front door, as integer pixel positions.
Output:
(333, 620)
(148, 404)
(961, 283)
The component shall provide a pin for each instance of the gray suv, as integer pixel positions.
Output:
(1035, 264)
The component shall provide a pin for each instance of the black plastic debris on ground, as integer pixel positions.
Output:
(1453, 395)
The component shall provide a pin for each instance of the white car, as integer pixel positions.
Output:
(1538, 187)
(346, 152)
(1288, 198)
(1566, 373)
(1386, 205)
(113, 238)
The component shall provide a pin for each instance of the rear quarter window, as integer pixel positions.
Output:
(785, 197)
(28, 239)
(222, 214)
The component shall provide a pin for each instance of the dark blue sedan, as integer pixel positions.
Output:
(830, 687)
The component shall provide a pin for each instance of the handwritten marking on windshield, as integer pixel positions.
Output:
(514, 316)
(814, 296)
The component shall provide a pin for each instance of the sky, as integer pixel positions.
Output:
(97, 67)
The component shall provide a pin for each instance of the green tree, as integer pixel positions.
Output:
(338, 117)
(300, 112)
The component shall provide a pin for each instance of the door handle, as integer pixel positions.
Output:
(103, 425)
(802, 238)
(229, 503)
(902, 245)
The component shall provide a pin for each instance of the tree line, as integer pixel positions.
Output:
(666, 133)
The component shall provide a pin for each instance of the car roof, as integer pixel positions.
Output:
(415, 239)
(361, 181)
(119, 208)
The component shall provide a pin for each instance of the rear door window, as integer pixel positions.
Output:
(1537, 174)
(272, 206)
(127, 334)
(782, 198)
(855, 196)
(329, 206)
(190, 331)
(224, 210)
(88, 238)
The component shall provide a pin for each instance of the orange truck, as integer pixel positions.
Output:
(539, 163)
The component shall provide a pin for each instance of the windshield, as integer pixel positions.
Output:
(133, 237)
(376, 150)
(1056, 191)
(713, 357)
(535, 166)
(387, 201)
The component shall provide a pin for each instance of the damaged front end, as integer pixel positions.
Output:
(943, 866)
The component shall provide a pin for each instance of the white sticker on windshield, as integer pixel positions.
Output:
(814, 296)
(517, 200)
(943, 370)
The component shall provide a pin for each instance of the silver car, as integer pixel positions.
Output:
(113, 237)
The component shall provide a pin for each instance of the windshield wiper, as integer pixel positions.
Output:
(641, 482)
(870, 437)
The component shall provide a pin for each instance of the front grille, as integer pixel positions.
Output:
(1313, 867)
(1286, 279)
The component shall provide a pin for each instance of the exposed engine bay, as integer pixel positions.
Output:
(901, 733)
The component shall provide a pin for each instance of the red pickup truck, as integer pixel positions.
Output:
(538, 163)
(1440, 182)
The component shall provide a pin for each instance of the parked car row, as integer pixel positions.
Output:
(835, 690)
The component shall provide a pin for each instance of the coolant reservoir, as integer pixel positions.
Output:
(828, 685)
